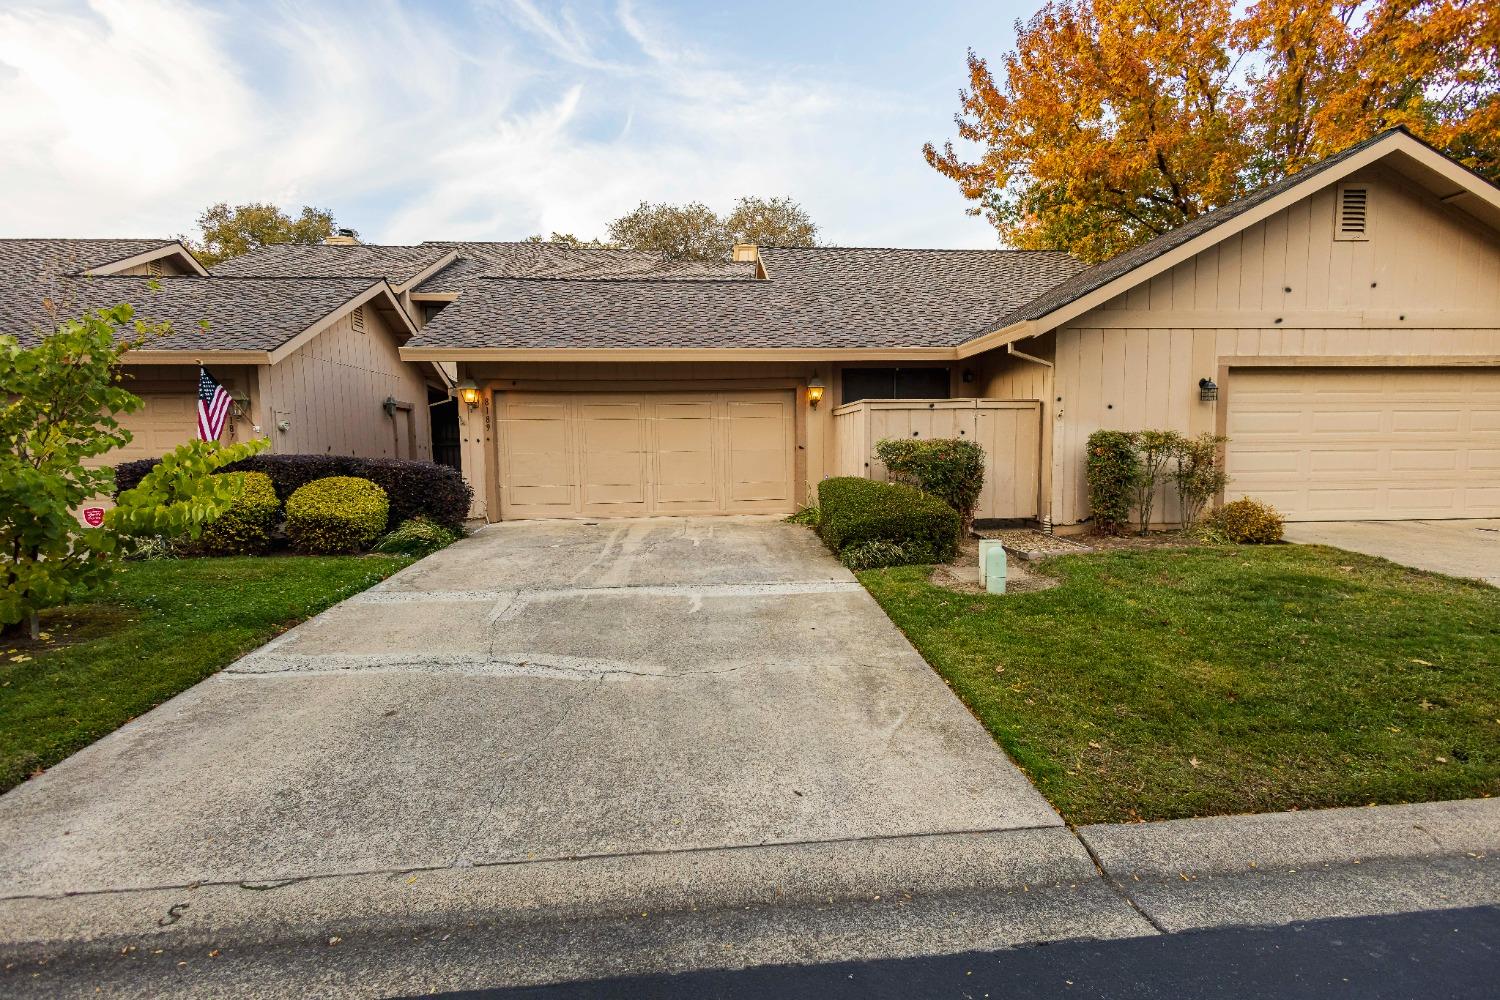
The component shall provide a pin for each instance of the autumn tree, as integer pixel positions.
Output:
(565, 239)
(1117, 120)
(229, 232)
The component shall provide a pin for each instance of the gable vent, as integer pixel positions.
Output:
(358, 319)
(155, 270)
(1353, 222)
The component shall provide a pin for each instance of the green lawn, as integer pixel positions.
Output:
(160, 628)
(1188, 682)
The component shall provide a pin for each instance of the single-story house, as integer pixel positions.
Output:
(311, 364)
(1341, 327)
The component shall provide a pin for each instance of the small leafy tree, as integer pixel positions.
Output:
(1155, 449)
(229, 232)
(58, 404)
(774, 222)
(58, 401)
(1198, 476)
(1113, 466)
(677, 232)
(951, 469)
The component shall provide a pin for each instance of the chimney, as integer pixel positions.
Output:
(744, 253)
(344, 237)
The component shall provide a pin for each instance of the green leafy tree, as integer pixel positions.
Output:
(773, 222)
(231, 231)
(677, 232)
(61, 399)
(1155, 449)
(1198, 476)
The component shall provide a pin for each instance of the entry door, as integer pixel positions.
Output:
(640, 454)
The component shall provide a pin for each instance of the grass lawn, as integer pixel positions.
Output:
(160, 628)
(1165, 683)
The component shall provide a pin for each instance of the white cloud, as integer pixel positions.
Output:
(130, 117)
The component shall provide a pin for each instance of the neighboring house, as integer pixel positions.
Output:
(312, 364)
(1347, 318)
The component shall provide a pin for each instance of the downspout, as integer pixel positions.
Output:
(1044, 503)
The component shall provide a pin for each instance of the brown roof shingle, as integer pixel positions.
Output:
(397, 264)
(243, 314)
(823, 297)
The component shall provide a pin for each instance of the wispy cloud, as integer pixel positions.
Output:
(129, 116)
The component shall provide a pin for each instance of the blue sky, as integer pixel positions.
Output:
(484, 120)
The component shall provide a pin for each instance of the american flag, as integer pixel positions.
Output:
(213, 406)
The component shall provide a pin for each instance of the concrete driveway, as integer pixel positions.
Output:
(1467, 548)
(539, 691)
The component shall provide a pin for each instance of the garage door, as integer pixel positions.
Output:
(162, 423)
(639, 454)
(1367, 444)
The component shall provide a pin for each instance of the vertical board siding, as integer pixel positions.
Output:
(1421, 257)
(332, 389)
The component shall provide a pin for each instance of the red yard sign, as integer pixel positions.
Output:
(94, 516)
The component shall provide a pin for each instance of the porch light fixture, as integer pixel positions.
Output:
(814, 392)
(468, 391)
(1208, 390)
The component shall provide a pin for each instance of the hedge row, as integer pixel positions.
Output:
(436, 492)
(911, 526)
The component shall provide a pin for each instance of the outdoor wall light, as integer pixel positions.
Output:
(814, 392)
(468, 391)
(1208, 390)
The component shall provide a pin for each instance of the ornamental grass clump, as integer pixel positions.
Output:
(340, 514)
(416, 536)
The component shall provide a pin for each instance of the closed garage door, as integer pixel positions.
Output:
(1367, 444)
(163, 422)
(639, 454)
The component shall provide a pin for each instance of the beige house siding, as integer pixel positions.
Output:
(1425, 285)
(330, 392)
(815, 449)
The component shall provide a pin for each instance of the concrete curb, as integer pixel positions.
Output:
(1047, 870)
(1276, 868)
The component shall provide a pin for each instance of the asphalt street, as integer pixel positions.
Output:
(1435, 955)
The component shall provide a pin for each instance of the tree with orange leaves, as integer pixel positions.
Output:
(1118, 120)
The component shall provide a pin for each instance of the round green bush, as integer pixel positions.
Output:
(245, 528)
(416, 536)
(337, 514)
(1246, 522)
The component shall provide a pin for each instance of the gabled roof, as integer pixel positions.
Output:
(1449, 180)
(837, 298)
(27, 259)
(400, 265)
(526, 259)
(246, 315)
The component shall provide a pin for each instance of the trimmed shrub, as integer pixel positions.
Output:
(1114, 468)
(245, 529)
(857, 510)
(414, 489)
(337, 514)
(1245, 522)
(873, 555)
(416, 537)
(1153, 449)
(951, 469)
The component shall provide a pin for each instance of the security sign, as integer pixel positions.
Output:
(94, 516)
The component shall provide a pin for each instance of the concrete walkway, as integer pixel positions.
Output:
(1467, 548)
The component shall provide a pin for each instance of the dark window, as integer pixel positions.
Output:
(895, 383)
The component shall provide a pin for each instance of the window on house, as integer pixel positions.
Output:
(894, 383)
